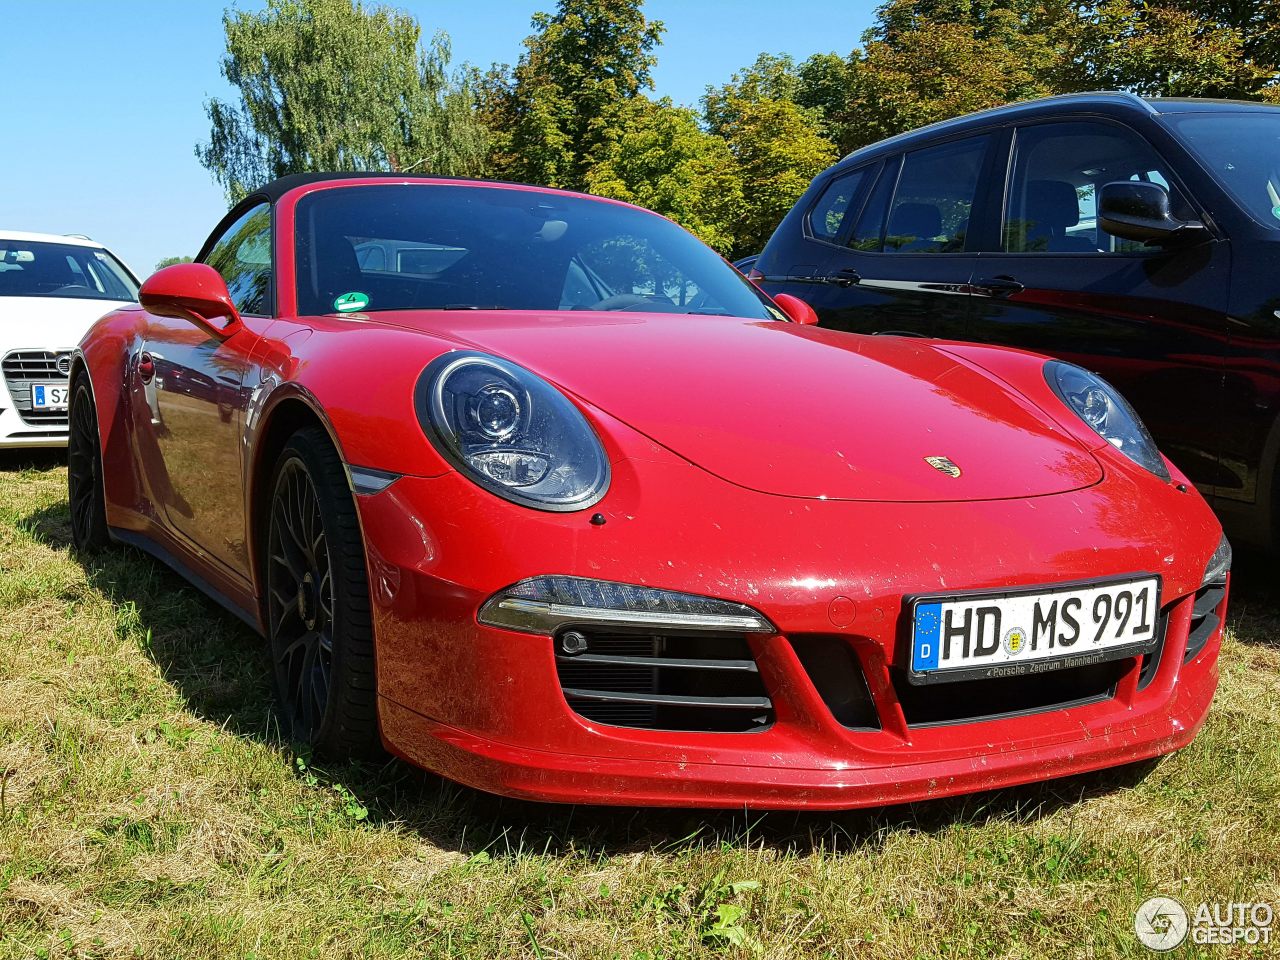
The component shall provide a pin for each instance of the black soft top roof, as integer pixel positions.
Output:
(273, 191)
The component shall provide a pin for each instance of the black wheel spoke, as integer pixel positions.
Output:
(300, 605)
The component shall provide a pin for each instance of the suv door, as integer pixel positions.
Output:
(904, 266)
(1151, 321)
(191, 399)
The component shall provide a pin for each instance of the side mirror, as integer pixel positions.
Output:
(797, 310)
(195, 292)
(1138, 210)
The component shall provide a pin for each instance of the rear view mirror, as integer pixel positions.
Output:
(1139, 210)
(195, 292)
(797, 310)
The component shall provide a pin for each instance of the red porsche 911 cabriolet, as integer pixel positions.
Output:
(536, 491)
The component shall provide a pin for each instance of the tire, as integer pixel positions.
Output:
(317, 592)
(85, 493)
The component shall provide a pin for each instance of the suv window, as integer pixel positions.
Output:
(828, 214)
(868, 234)
(930, 209)
(1058, 171)
(243, 256)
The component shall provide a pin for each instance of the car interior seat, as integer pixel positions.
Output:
(916, 224)
(333, 270)
(1050, 209)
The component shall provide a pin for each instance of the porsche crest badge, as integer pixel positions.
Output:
(943, 465)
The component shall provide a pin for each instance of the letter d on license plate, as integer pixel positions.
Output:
(1025, 631)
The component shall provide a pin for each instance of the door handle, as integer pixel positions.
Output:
(146, 367)
(1001, 286)
(844, 277)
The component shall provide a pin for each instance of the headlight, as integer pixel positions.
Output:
(511, 432)
(545, 604)
(1107, 414)
(1219, 564)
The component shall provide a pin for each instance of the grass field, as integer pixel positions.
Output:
(148, 809)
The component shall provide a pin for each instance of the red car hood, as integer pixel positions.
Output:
(788, 409)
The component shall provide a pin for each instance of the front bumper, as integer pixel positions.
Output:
(484, 706)
(20, 424)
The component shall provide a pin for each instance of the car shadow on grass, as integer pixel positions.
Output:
(221, 669)
(46, 458)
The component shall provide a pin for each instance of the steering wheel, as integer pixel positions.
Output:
(633, 301)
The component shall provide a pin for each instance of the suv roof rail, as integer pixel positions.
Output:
(78, 236)
(1126, 95)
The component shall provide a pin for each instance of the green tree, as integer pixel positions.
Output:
(1181, 49)
(662, 159)
(337, 85)
(776, 144)
(170, 261)
(558, 112)
(929, 60)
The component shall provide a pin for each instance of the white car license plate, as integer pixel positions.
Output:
(1022, 632)
(50, 396)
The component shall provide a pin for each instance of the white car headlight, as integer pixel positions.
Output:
(511, 432)
(1106, 413)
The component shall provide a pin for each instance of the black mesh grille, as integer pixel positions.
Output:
(664, 682)
(836, 674)
(1206, 617)
(21, 369)
(966, 701)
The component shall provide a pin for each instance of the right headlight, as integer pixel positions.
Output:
(1106, 413)
(511, 432)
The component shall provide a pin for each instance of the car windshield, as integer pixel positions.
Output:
(442, 247)
(1242, 149)
(36, 268)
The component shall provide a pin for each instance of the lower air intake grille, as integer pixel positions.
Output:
(663, 682)
(836, 674)
(1206, 617)
(967, 701)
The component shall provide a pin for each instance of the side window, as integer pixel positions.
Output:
(868, 234)
(930, 210)
(827, 215)
(243, 256)
(370, 256)
(1058, 171)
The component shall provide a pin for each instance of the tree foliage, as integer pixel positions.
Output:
(777, 144)
(336, 85)
(557, 113)
(170, 261)
(660, 158)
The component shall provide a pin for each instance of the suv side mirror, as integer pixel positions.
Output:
(195, 292)
(1139, 210)
(797, 310)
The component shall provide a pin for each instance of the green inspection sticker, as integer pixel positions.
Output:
(348, 302)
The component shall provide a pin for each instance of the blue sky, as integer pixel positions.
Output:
(103, 102)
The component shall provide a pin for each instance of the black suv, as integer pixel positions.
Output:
(1138, 238)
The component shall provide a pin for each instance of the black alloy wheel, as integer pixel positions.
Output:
(84, 473)
(318, 617)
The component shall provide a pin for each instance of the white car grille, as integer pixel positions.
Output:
(22, 368)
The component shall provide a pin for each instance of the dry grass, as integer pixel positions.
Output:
(149, 810)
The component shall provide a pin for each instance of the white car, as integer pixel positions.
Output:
(52, 289)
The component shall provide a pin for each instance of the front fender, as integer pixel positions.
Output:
(103, 357)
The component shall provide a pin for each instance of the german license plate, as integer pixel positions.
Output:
(50, 396)
(1021, 632)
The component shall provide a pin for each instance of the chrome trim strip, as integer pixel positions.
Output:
(538, 616)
